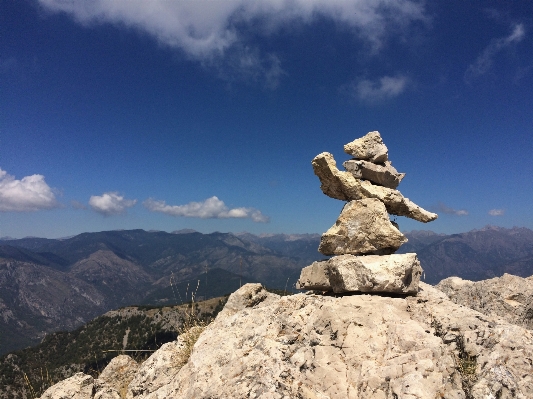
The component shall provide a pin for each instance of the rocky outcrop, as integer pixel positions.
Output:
(357, 346)
(79, 386)
(363, 227)
(509, 297)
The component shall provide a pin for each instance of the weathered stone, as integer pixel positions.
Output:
(396, 203)
(315, 277)
(369, 147)
(105, 392)
(249, 295)
(335, 183)
(116, 377)
(508, 296)
(385, 175)
(397, 273)
(358, 346)
(363, 227)
(79, 386)
(343, 186)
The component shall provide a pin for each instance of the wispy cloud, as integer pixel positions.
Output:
(485, 60)
(377, 90)
(211, 208)
(449, 211)
(497, 212)
(110, 203)
(31, 193)
(77, 205)
(210, 31)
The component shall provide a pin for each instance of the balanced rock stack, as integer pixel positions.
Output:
(363, 240)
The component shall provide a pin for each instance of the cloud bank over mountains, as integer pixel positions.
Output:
(211, 208)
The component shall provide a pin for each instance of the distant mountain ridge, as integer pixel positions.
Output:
(48, 284)
(475, 255)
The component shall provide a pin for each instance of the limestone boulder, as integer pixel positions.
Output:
(363, 227)
(396, 273)
(315, 277)
(79, 386)
(384, 174)
(343, 186)
(369, 147)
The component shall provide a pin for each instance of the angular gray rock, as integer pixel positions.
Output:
(509, 297)
(385, 175)
(359, 346)
(369, 147)
(343, 186)
(79, 386)
(397, 273)
(363, 227)
(315, 277)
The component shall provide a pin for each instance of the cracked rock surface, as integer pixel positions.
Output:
(357, 346)
(508, 296)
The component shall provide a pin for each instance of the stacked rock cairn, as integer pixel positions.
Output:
(363, 241)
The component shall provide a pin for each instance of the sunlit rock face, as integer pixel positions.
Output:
(363, 227)
(338, 347)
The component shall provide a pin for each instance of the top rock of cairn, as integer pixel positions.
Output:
(369, 147)
(363, 241)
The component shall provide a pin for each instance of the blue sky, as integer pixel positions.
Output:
(206, 114)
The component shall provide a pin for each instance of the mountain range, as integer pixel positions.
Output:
(49, 285)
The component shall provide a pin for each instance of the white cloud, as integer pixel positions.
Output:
(485, 60)
(497, 212)
(110, 203)
(381, 89)
(211, 208)
(450, 211)
(29, 194)
(206, 30)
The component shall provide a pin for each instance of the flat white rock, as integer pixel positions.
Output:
(396, 273)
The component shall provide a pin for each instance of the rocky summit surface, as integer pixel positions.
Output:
(509, 297)
(319, 346)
